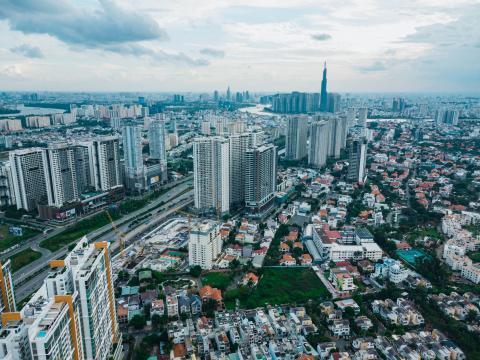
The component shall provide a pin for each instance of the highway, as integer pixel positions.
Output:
(30, 277)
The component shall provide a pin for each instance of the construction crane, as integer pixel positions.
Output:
(120, 234)
(189, 216)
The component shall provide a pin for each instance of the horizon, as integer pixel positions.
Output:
(119, 45)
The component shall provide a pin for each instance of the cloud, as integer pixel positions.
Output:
(12, 71)
(29, 51)
(212, 52)
(159, 56)
(375, 67)
(321, 37)
(90, 26)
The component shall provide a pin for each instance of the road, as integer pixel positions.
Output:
(31, 276)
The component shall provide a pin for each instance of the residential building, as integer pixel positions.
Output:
(357, 160)
(260, 178)
(211, 174)
(204, 244)
(296, 137)
(132, 148)
(28, 176)
(319, 144)
(238, 146)
(7, 299)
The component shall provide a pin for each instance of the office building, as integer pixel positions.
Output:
(260, 178)
(132, 149)
(319, 143)
(28, 177)
(204, 244)
(238, 148)
(60, 172)
(211, 174)
(296, 138)
(357, 160)
(323, 92)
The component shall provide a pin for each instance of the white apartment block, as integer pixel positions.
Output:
(472, 273)
(28, 177)
(211, 174)
(296, 137)
(239, 143)
(204, 244)
(319, 144)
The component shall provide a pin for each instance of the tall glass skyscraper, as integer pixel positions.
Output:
(323, 94)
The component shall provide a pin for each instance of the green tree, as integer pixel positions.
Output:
(195, 271)
(138, 322)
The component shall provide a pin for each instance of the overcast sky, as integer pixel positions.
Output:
(259, 45)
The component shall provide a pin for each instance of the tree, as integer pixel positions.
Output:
(195, 271)
(138, 322)
(159, 322)
(234, 264)
(209, 308)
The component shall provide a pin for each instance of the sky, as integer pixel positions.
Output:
(255, 45)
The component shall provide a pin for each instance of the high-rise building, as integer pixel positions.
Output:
(319, 143)
(323, 93)
(105, 163)
(357, 160)
(156, 138)
(211, 174)
(296, 137)
(444, 116)
(351, 114)
(333, 102)
(132, 149)
(83, 167)
(215, 96)
(28, 176)
(229, 94)
(60, 172)
(7, 298)
(72, 316)
(260, 178)
(239, 144)
(204, 244)
(337, 128)
(205, 127)
(362, 117)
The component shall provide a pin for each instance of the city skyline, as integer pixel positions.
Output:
(260, 46)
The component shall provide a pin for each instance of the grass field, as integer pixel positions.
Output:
(24, 258)
(219, 280)
(7, 240)
(75, 232)
(281, 286)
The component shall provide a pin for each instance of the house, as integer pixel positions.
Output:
(365, 266)
(195, 305)
(306, 259)
(340, 328)
(172, 305)
(284, 248)
(363, 323)
(209, 293)
(250, 279)
(288, 260)
(158, 308)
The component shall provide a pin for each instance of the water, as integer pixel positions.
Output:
(24, 110)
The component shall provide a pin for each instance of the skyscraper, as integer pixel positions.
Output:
(211, 174)
(296, 137)
(60, 174)
(105, 162)
(28, 175)
(132, 149)
(357, 160)
(319, 143)
(260, 178)
(337, 128)
(323, 93)
(229, 94)
(239, 143)
(156, 137)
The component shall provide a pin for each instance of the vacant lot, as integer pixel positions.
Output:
(280, 286)
(219, 280)
(7, 240)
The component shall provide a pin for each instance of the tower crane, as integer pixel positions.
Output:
(120, 235)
